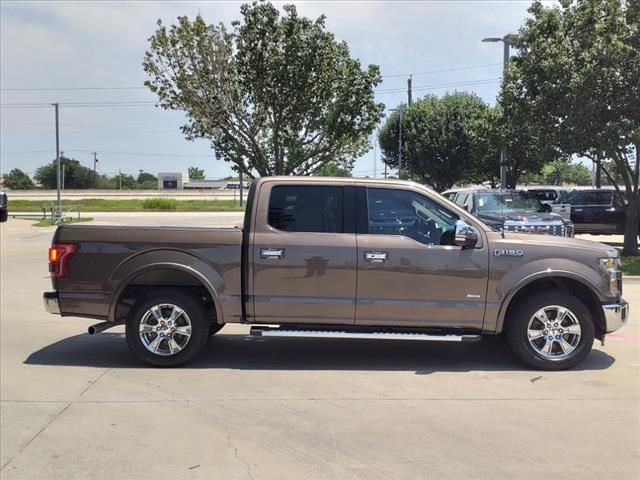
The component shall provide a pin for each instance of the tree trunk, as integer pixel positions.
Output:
(632, 222)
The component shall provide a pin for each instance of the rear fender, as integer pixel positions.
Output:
(164, 259)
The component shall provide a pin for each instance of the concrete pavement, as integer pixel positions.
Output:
(75, 406)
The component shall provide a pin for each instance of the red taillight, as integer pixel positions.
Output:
(59, 255)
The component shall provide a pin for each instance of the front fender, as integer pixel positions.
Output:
(518, 278)
(164, 259)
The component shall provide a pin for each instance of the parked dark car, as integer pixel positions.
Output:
(4, 209)
(597, 211)
(514, 211)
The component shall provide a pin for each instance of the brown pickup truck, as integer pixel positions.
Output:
(343, 258)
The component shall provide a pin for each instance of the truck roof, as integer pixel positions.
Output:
(368, 181)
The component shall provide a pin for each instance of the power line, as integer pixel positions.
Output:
(96, 104)
(142, 154)
(111, 152)
(453, 69)
(437, 86)
(147, 103)
(68, 89)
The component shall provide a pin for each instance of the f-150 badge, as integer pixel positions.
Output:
(507, 253)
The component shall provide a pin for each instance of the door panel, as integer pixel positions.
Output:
(409, 271)
(420, 285)
(305, 276)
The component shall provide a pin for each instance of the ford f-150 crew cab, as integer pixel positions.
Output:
(353, 258)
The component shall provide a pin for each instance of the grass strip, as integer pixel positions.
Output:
(46, 222)
(630, 265)
(133, 205)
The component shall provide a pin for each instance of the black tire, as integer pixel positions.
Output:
(4, 215)
(196, 316)
(214, 328)
(524, 349)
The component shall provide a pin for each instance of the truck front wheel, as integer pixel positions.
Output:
(167, 328)
(551, 331)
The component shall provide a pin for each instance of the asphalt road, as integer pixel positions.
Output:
(75, 406)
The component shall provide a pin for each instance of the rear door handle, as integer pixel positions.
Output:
(375, 257)
(272, 253)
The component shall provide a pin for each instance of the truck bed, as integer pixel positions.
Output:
(108, 257)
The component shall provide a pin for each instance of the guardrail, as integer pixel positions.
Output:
(51, 212)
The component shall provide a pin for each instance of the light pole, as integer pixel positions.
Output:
(506, 41)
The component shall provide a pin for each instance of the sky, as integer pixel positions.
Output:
(81, 52)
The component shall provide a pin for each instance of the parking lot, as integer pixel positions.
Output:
(75, 406)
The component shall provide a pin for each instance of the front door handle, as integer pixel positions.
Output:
(272, 253)
(375, 257)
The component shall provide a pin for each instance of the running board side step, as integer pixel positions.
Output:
(260, 331)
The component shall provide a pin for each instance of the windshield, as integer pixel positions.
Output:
(500, 203)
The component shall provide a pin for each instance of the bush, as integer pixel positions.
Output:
(16, 179)
(160, 204)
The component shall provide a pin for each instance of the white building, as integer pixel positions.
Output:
(172, 180)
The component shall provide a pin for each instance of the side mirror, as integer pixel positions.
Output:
(466, 236)
(546, 208)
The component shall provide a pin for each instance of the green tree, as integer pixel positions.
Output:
(147, 181)
(144, 177)
(559, 172)
(277, 95)
(196, 173)
(528, 149)
(441, 137)
(16, 179)
(75, 174)
(565, 172)
(335, 169)
(576, 75)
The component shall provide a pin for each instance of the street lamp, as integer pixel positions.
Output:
(506, 40)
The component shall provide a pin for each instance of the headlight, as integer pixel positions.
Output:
(611, 265)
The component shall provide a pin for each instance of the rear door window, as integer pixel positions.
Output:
(307, 208)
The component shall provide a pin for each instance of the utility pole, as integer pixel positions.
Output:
(400, 144)
(120, 178)
(505, 71)
(95, 161)
(400, 111)
(63, 165)
(241, 187)
(409, 90)
(59, 206)
(375, 157)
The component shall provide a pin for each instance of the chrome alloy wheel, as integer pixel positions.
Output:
(554, 332)
(165, 329)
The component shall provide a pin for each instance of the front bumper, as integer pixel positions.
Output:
(51, 303)
(615, 315)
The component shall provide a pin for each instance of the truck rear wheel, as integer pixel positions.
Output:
(551, 331)
(167, 328)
